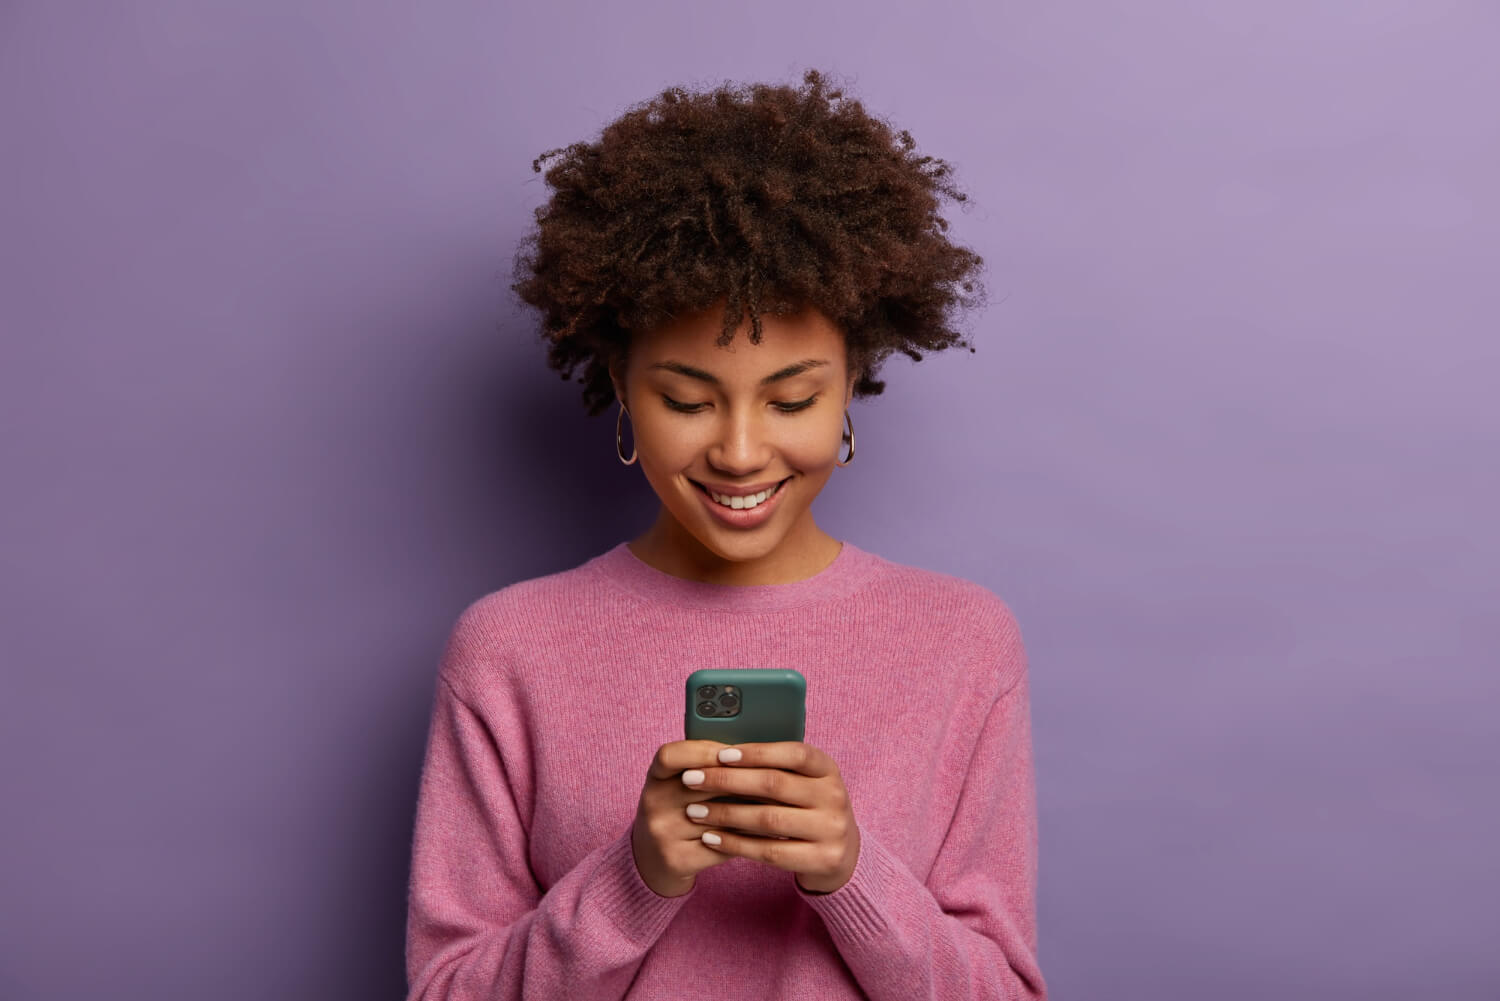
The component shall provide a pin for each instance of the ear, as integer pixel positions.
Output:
(852, 369)
(617, 376)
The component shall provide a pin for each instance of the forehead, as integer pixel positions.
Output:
(693, 337)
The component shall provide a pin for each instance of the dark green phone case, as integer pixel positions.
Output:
(773, 705)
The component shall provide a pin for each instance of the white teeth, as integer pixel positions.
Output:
(742, 503)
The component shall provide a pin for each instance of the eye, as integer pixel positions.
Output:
(686, 408)
(791, 408)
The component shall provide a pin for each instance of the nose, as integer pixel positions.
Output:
(739, 445)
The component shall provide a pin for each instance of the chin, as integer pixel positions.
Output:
(752, 550)
(741, 549)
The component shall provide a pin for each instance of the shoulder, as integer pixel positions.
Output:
(972, 620)
(488, 632)
(946, 596)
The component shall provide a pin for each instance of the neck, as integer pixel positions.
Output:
(804, 552)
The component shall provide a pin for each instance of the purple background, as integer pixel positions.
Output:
(1228, 449)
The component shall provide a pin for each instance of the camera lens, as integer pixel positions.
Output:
(706, 691)
(729, 701)
(707, 709)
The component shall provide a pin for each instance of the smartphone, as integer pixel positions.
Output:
(745, 705)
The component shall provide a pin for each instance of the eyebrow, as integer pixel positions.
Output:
(796, 368)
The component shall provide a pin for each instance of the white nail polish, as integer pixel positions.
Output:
(693, 777)
(697, 810)
(710, 838)
(729, 754)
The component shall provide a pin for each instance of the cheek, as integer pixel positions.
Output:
(668, 445)
(804, 443)
(818, 442)
(812, 450)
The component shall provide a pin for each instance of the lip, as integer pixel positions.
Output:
(741, 491)
(744, 518)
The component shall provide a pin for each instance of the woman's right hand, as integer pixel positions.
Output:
(669, 851)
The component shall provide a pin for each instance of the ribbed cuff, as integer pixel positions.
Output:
(855, 912)
(638, 911)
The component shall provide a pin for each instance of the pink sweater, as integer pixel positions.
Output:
(553, 695)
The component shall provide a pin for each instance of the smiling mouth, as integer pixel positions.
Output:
(741, 503)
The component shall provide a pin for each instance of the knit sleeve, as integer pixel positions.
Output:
(969, 932)
(478, 924)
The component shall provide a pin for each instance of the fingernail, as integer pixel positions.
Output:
(710, 838)
(692, 777)
(730, 754)
(697, 811)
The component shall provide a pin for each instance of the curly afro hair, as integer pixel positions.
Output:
(770, 199)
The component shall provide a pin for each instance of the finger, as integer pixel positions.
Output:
(788, 755)
(671, 759)
(766, 784)
(770, 820)
(791, 855)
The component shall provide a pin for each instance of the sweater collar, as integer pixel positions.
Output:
(850, 569)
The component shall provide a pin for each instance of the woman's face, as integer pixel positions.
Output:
(739, 420)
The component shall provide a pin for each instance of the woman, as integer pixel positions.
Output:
(732, 267)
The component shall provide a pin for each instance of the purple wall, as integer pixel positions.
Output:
(1228, 449)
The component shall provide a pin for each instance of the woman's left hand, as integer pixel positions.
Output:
(809, 808)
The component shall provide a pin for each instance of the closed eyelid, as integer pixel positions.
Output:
(786, 406)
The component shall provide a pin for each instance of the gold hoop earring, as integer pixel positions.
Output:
(619, 427)
(849, 437)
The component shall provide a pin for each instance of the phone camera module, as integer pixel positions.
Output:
(718, 701)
